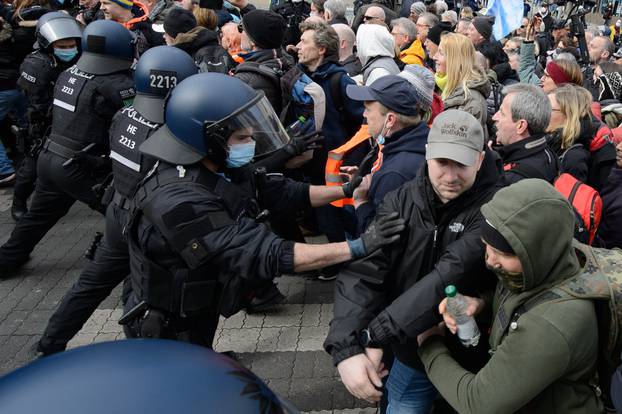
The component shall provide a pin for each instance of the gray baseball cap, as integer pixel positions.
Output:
(455, 135)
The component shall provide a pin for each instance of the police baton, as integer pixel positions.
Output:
(83, 150)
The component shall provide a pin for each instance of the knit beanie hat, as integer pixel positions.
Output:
(265, 28)
(434, 35)
(423, 82)
(179, 20)
(483, 24)
(126, 4)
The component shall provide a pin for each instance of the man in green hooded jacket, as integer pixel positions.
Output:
(543, 360)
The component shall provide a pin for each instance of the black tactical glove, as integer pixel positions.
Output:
(350, 186)
(302, 143)
(383, 231)
(91, 163)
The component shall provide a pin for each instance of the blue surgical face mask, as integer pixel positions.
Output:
(66, 55)
(240, 154)
(380, 139)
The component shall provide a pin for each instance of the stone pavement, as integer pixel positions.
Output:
(283, 347)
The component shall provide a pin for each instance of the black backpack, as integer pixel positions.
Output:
(214, 58)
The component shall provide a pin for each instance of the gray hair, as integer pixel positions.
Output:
(595, 31)
(608, 45)
(441, 7)
(337, 8)
(430, 18)
(450, 16)
(409, 27)
(566, 56)
(418, 7)
(531, 104)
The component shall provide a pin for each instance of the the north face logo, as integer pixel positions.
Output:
(456, 227)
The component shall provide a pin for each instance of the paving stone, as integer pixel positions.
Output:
(289, 315)
(238, 340)
(13, 321)
(81, 339)
(288, 339)
(273, 365)
(235, 321)
(34, 323)
(268, 339)
(311, 315)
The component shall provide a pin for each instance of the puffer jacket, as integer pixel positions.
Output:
(546, 361)
(395, 291)
(473, 101)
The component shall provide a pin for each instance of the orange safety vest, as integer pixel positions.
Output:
(335, 160)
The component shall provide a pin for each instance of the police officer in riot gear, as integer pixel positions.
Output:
(72, 159)
(157, 72)
(195, 241)
(57, 40)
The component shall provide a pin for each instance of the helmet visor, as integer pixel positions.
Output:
(256, 120)
(58, 29)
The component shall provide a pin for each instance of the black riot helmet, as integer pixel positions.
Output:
(56, 26)
(158, 71)
(107, 47)
(202, 113)
(153, 376)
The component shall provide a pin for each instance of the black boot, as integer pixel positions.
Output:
(18, 208)
(265, 299)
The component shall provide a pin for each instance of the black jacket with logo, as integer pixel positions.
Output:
(528, 158)
(396, 290)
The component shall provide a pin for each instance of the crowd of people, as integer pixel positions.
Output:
(215, 136)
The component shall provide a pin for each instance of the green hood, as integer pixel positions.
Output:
(538, 223)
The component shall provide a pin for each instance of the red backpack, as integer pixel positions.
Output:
(587, 204)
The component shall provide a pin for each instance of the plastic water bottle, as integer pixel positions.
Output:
(468, 332)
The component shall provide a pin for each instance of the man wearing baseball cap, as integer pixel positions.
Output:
(391, 296)
(396, 113)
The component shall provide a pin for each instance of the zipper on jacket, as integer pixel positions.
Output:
(435, 236)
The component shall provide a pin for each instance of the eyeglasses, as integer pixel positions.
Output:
(240, 28)
(366, 18)
(422, 25)
(398, 34)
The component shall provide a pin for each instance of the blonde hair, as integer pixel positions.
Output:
(206, 18)
(575, 104)
(572, 71)
(460, 63)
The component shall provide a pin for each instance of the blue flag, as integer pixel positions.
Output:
(508, 16)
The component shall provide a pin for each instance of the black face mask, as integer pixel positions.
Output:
(512, 281)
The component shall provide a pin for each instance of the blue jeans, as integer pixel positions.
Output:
(409, 391)
(10, 100)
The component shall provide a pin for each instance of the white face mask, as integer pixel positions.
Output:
(543, 11)
(618, 24)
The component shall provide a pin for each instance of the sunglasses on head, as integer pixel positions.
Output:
(240, 28)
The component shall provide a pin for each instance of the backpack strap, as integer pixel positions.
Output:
(546, 296)
(261, 69)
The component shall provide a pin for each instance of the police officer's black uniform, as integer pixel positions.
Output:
(130, 128)
(38, 74)
(84, 104)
